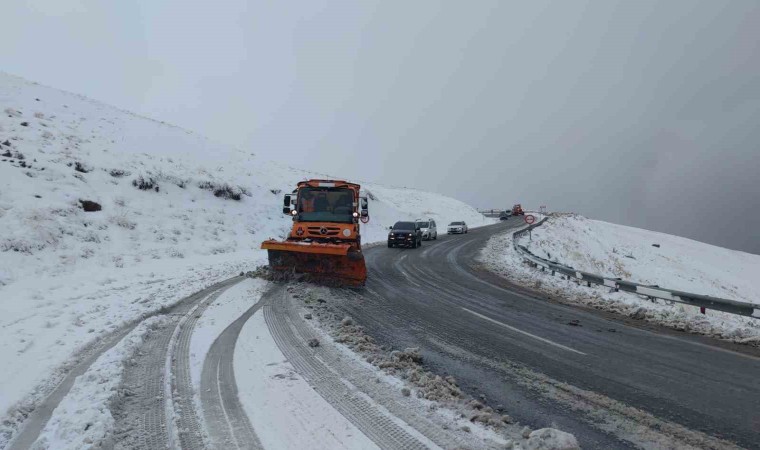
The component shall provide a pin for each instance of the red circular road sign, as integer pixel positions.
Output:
(529, 219)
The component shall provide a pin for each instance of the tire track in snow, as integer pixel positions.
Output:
(33, 426)
(324, 372)
(155, 408)
(228, 424)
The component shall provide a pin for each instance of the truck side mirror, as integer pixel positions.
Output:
(286, 204)
(363, 204)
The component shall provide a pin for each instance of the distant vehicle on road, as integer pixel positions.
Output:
(405, 234)
(428, 228)
(457, 228)
(504, 216)
(517, 210)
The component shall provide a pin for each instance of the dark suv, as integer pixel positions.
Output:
(405, 234)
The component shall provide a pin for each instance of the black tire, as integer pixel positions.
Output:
(390, 245)
(435, 238)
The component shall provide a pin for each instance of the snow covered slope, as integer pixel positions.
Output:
(68, 276)
(626, 252)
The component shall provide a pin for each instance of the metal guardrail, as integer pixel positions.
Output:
(702, 301)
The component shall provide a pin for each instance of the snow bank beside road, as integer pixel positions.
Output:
(629, 253)
(619, 251)
(458, 416)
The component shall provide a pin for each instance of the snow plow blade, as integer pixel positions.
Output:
(330, 264)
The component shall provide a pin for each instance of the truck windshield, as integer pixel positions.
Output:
(325, 205)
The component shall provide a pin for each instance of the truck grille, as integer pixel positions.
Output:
(323, 231)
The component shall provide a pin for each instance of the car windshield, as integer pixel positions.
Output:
(424, 224)
(406, 226)
(325, 205)
(456, 223)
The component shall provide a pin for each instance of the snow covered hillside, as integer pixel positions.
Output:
(169, 212)
(630, 253)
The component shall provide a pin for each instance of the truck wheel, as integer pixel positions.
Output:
(390, 245)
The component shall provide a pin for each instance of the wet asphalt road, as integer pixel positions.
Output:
(619, 381)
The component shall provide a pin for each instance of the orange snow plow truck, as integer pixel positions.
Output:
(324, 244)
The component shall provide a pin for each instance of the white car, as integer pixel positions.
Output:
(429, 229)
(457, 228)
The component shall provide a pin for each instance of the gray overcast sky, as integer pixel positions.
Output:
(637, 112)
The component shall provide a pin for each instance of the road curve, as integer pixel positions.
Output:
(611, 382)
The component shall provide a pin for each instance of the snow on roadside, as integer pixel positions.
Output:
(619, 251)
(219, 315)
(438, 398)
(54, 334)
(438, 408)
(285, 411)
(550, 438)
(83, 419)
(630, 253)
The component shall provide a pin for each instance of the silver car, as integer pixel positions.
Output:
(429, 229)
(457, 228)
